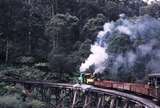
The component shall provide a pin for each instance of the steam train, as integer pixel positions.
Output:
(152, 89)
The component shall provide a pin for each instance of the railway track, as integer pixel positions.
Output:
(145, 102)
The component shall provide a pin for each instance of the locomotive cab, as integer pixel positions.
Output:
(86, 78)
(89, 78)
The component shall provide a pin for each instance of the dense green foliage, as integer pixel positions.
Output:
(60, 33)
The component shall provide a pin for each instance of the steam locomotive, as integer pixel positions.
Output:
(152, 89)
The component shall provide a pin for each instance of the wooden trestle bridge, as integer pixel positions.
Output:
(60, 95)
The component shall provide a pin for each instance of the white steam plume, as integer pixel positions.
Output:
(97, 58)
(98, 54)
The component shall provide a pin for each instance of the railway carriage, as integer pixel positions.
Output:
(154, 82)
(152, 89)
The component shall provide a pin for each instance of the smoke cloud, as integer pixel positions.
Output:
(151, 1)
(143, 33)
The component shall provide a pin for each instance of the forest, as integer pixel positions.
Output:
(50, 39)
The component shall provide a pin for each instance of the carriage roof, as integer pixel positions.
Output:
(154, 75)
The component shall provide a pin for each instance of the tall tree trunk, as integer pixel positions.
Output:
(52, 8)
(29, 2)
(7, 51)
(55, 40)
(29, 31)
(7, 34)
(29, 43)
(54, 4)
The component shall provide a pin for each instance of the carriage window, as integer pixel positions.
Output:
(151, 82)
(158, 81)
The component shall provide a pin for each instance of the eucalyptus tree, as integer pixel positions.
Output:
(92, 27)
